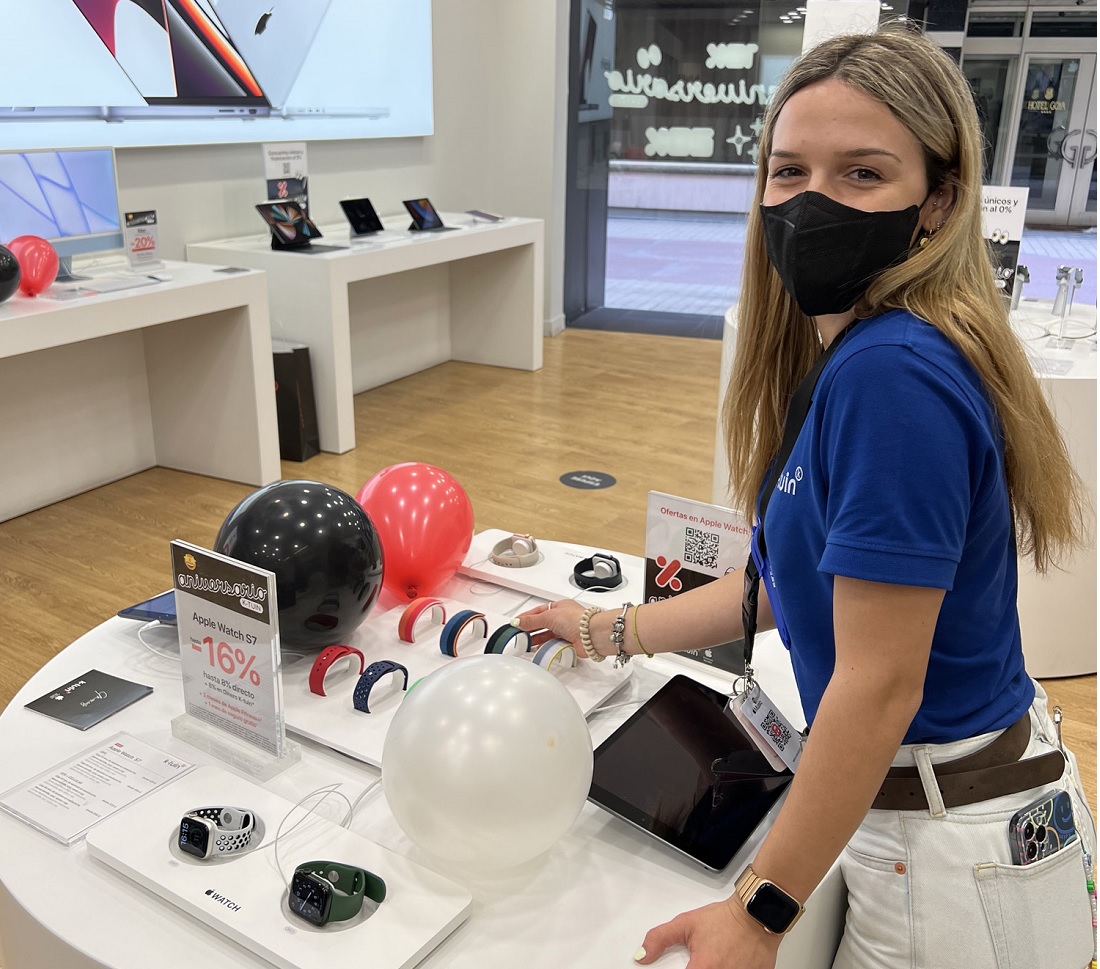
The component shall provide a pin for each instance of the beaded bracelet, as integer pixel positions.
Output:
(637, 638)
(586, 637)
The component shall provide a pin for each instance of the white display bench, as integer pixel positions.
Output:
(587, 903)
(399, 302)
(176, 374)
(1057, 611)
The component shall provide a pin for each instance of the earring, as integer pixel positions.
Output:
(931, 232)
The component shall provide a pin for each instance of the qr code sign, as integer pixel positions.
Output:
(701, 548)
(775, 729)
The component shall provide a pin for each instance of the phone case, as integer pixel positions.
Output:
(1042, 828)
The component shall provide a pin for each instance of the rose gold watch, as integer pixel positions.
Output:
(766, 902)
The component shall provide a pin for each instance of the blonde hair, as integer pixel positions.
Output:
(948, 283)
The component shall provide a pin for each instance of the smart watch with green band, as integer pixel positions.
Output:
(327, 891)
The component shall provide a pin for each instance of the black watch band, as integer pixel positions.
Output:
(599, 571)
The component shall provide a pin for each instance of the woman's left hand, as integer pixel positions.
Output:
(717, 936)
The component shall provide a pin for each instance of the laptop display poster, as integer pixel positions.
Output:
(688, 544)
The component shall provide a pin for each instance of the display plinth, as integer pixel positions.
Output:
(244, 897)
(238, 754)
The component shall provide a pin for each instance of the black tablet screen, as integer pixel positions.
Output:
(683, 769)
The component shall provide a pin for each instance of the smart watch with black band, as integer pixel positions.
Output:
(599, 571)
(766, 902)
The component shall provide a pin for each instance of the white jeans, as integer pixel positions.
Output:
(941, 892)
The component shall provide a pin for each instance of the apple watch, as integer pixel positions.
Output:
(509, 637)
(372, 675)
(414, 612)
(327, 891)
(554, 651)
(516, 552)
(210, 832)
(456, 626)
(599, 571)
(328, 656)
(766, 902)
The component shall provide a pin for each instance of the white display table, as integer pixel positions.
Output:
(177, 374)
(585, 904)
(399, 302)
(1058, 611)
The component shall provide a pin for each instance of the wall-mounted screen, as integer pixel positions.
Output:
(170, 72)
(69, 197)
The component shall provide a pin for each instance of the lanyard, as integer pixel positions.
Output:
(796, 417)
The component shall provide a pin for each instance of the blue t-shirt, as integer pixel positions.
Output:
(898, 476)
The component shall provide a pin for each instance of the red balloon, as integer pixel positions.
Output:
(425, 522)
(37, 261)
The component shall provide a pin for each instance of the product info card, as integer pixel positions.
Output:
(229, 645)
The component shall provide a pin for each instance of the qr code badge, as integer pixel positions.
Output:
(773, 728)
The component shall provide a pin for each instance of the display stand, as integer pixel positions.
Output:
(244, 896)
(237, 754)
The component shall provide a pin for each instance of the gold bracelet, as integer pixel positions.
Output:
(586, 638)
(637, 638)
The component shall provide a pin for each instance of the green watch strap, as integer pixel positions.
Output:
(350, 884)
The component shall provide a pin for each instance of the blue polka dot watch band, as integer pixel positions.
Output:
(456, 626)
(555, 651)
(509, 639)
(372, 675)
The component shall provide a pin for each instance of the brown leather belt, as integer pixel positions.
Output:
(993, 771)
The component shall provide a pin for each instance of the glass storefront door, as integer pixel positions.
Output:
(1055, 148)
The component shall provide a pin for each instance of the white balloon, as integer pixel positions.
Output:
(487, 762)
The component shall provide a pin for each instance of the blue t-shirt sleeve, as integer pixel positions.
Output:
(896, 444)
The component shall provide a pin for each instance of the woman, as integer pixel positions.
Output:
(927, 458)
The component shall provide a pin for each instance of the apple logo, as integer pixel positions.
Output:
(261, 24)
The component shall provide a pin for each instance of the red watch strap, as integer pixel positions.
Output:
(328, 656)
(413, 611)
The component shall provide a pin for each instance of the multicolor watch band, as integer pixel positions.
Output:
(552, 651)
(509, 637)
(456, 626)
(372, 675)
(328, 656)
(414, 611)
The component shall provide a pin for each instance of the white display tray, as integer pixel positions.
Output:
(552, 576)
(332, 719)
(244, 897)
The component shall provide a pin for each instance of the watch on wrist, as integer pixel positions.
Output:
(327, 891)
(766, 902)
(210, 832)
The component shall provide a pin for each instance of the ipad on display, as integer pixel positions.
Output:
(683, 770)
(161, 608)
(425, 217)
(361, 216)
(290, 227)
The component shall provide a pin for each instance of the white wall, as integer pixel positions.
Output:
(500, 80)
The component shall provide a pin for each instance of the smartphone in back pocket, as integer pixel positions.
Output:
(1042, 828)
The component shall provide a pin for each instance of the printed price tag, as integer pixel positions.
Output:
(772, 732)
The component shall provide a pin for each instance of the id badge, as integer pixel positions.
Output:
(772, 732)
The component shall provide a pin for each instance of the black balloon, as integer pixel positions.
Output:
(323, 549)
(10, 273)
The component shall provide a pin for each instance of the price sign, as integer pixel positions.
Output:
(229, 645)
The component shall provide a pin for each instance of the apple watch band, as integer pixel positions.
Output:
(328, 891)
(554, 651)
(599, 571)
(766, 902)
(509, 637)
(328, 656)
(372, 675)
(456, 626)
(515, 552)
(414, 611)
(208, 832)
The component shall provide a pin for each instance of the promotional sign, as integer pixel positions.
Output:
(140, 233)
(229, 645)
(688, 544)
(285, 171)
(1003, 211)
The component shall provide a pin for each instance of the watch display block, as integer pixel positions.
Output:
(244, 897)
(551, 577)
(332, 719)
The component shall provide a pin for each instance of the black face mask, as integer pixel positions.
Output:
(827, 254)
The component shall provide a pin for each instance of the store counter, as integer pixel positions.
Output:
(588, 902)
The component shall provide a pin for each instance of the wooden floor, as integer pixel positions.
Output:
(640, 408)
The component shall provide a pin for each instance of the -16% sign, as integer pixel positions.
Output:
(230, 660)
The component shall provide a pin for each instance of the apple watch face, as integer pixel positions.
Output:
(194, 837)
(772, 908)
(310, 898)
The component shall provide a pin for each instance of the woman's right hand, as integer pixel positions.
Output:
(554, 620)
